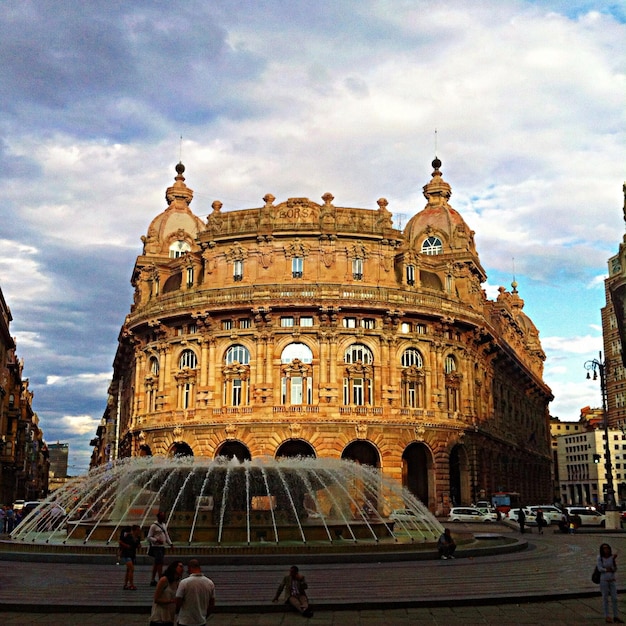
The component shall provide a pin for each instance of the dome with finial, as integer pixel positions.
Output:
(177, 225)
(438, 219)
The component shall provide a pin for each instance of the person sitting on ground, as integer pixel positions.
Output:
(446, 545)
(294, 586)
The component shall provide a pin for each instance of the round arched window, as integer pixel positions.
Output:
(449, 364)
(237, 354)
(412, 356)
(178, 248)
(188, 360)
(358, 352)
(432, 245)
(295, 351)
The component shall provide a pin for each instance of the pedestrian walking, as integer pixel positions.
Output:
(158, 538)
(195, 597)
(541, 521)
(130, 540)
(294, 587)
(521, 518)
(607, 565)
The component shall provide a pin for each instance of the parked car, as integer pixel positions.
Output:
(29, 507)
(403, 515)
(531, 518)
(481, 504)
(551, 514)
(489, 511)
(588, 516)
(467, 514)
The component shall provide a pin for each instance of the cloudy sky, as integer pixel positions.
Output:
(296, 99)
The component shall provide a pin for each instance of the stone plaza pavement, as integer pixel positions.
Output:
(549, 583)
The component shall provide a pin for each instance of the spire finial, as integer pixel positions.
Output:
(514, 283)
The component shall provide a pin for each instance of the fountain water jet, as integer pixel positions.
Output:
(222, 502)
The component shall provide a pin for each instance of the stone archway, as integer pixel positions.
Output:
(145, 450)
(234, 449)
(417, 464)
(180, 448)
(362, 452)
(460, 490)
(295, 447)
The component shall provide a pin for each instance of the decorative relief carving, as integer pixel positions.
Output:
(296, 430)
(361, 430)
(177, 432)
(420, 432)
(297, 248)
(236, 252)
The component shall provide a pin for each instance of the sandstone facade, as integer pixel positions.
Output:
(306, 328)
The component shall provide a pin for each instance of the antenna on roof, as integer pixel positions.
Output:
(514, 283)
(435, 142)
(180, 150)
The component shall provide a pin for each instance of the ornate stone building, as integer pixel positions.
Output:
(24, 460)
(305, 328)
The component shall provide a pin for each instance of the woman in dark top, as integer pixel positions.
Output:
(130, 540)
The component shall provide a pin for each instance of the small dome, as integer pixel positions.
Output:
(177, 222)
(438, 219)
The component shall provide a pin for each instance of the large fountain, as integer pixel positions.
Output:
(223, 502)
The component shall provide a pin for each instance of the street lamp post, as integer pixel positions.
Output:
(599, 369)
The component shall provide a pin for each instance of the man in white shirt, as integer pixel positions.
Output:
(158, 538)
(195, 597)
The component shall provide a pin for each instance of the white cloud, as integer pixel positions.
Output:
(527, 98)
(79, 424)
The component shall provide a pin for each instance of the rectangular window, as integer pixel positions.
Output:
(420, 329)
(411, 399)
(244, 322)
(410, 274)
(296, 390)
(349, 322)
(368, 322)
(357, 269)
(227, 324)
(186, 395)
(297, 267)
(358, 392)
(405, 327)
(237, 384)
(306, 321)
(238, 270)
(190, 277)
(286, 322)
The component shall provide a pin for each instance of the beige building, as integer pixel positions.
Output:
(306, 328)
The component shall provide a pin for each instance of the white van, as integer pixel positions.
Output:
(551, 514)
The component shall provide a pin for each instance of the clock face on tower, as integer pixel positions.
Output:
(616, 266)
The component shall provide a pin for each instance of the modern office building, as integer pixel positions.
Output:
(308, 328)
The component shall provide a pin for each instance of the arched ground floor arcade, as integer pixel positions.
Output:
(442, 466)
